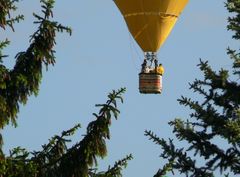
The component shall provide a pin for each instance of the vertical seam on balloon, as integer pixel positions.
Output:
(148, 36)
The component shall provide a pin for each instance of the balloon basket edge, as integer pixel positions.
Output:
(150, 83)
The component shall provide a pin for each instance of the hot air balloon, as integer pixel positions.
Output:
(150, 22)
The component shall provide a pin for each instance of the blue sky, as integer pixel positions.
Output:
(101, 56)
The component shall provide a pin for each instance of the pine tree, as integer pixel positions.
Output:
(23, 80)
(56, 159)
(214, 120)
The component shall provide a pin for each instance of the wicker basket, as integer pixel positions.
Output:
(150, 83)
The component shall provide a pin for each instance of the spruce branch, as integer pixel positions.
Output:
(57, 160)
(177, 159)
(82, 156)
(24, 79)
(233, 6)
(6, 6)
(114, 171)
(216, 117)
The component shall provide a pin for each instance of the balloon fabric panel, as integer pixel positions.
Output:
(150, 21)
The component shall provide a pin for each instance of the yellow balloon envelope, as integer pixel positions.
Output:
(150, 21)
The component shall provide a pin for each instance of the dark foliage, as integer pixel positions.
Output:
(214, 120)
(55, 159)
